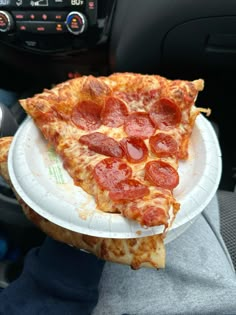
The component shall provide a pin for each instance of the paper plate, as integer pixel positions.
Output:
(39, 178)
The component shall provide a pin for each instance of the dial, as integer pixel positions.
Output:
(6, 21)
(76, 22)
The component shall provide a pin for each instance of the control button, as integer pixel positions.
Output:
(91, 11)
(48, 27)
(44, 16)
(6, 22)
(76, 22)
(39, 27)
(58, 27)
(20, 15)
(56, 16)
(49, 16)
(23, 26)
(33, 16)
(25, 16)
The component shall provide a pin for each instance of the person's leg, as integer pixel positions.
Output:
(198, 278)
(57, 279)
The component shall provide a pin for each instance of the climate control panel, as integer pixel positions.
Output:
(26, 22)
(53, 22)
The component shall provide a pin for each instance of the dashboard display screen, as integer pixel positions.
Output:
(4, 2)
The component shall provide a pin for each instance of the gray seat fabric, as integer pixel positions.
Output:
(227, 205)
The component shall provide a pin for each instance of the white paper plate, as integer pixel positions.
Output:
(39, 178)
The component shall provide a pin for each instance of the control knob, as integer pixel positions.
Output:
(76, 22)
(6, 22)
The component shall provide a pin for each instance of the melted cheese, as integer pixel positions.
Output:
(139, 92)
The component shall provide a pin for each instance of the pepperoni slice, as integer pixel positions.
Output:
(165, 114)
(154, 216)
(110, 171)
(129, 189)
(86, 115)
(163, 145)
(114, 112)
(139, 125)
(135, 149)
(102, 144)
(161, 174)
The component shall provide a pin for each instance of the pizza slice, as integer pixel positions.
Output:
(120, 138)
(135, 252)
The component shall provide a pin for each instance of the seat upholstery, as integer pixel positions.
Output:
(227, 204)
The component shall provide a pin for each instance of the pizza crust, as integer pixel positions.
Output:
(136, 252)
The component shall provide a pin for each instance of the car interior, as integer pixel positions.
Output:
(45, 42)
